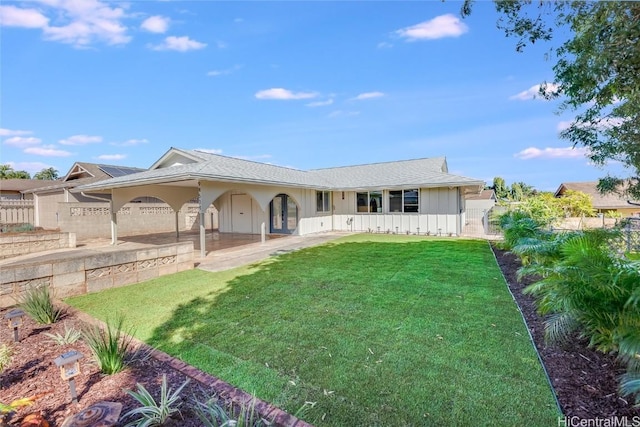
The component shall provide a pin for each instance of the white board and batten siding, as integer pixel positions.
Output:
(439, 214)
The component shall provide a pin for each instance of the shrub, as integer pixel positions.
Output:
(37, 303)
(516, 225)
(112, 348)
(6, 353)
(70, 336)
(211, 414)
(153, 413)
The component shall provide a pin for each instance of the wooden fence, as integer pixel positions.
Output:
(16, 213)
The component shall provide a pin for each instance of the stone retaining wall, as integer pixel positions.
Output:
(25, 243)
(75, 275)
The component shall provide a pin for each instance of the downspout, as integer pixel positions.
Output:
(114, 219)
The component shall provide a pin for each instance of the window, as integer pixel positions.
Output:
(404, 201)
(369, 201)
(323, 201)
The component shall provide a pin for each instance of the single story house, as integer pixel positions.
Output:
(602, 203)
(18, 189)
(411, 196)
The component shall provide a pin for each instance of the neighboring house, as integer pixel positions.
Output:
(483, 201)
(14, 189)
(47, 196)
(404, 196)
(603, 203)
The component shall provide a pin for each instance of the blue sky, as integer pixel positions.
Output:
(298, 84)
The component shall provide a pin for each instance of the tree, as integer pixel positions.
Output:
(48, 174)
(500, 188)
(7, 172)
(597, 74)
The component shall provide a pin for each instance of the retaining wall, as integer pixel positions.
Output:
(25, 243)
(71, 275)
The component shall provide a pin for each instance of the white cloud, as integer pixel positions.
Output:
(47, 150)
(156, 24)
(22, 141)
(603, 124)
(439, 27)
(320, 103)
(112, 156)
(552, 153)
(130, 142)
(85, 22)
(81, 140)
(180, 44)
(210, 150)
(11, 16)
(216, 73)
(534, 92)
(368, 95)
(284, 94)
(14, 132)
(384, 45)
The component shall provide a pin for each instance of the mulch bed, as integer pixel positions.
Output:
(32, 372)
(584, 380)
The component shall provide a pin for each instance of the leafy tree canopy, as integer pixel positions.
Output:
(49, 174)
(597, 74)
(7, 172)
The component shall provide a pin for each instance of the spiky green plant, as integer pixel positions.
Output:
(69, 336)
(111, 346)
(37, 302)
(152, 412)
(211, 414)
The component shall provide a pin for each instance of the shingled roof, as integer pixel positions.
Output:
(83, 173)
(599, 201)
(187, 165)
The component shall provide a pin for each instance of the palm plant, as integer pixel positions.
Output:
(586, 288)
(516, 225)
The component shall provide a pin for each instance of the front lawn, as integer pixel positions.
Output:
(369, 330)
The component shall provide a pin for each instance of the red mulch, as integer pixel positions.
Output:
(32, 372)
(584, 380)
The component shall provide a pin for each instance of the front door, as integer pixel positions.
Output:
(241, 218)
(284, 214)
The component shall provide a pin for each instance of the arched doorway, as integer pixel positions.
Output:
(284, 214)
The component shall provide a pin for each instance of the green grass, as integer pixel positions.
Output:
(374, 329)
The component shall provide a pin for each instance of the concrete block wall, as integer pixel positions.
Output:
(25, 243)
(93, 219)
(91, 273)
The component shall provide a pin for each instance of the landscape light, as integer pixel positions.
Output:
(14, 318)
(69, 364)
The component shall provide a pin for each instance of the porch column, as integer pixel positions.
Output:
(177, 225)
(203, 252)
(114, 224)
(263, 232)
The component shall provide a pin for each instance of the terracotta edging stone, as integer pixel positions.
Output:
(224, 390)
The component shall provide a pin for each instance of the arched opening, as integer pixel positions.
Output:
(283, 214)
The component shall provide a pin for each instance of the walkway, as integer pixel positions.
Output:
(226, 259)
